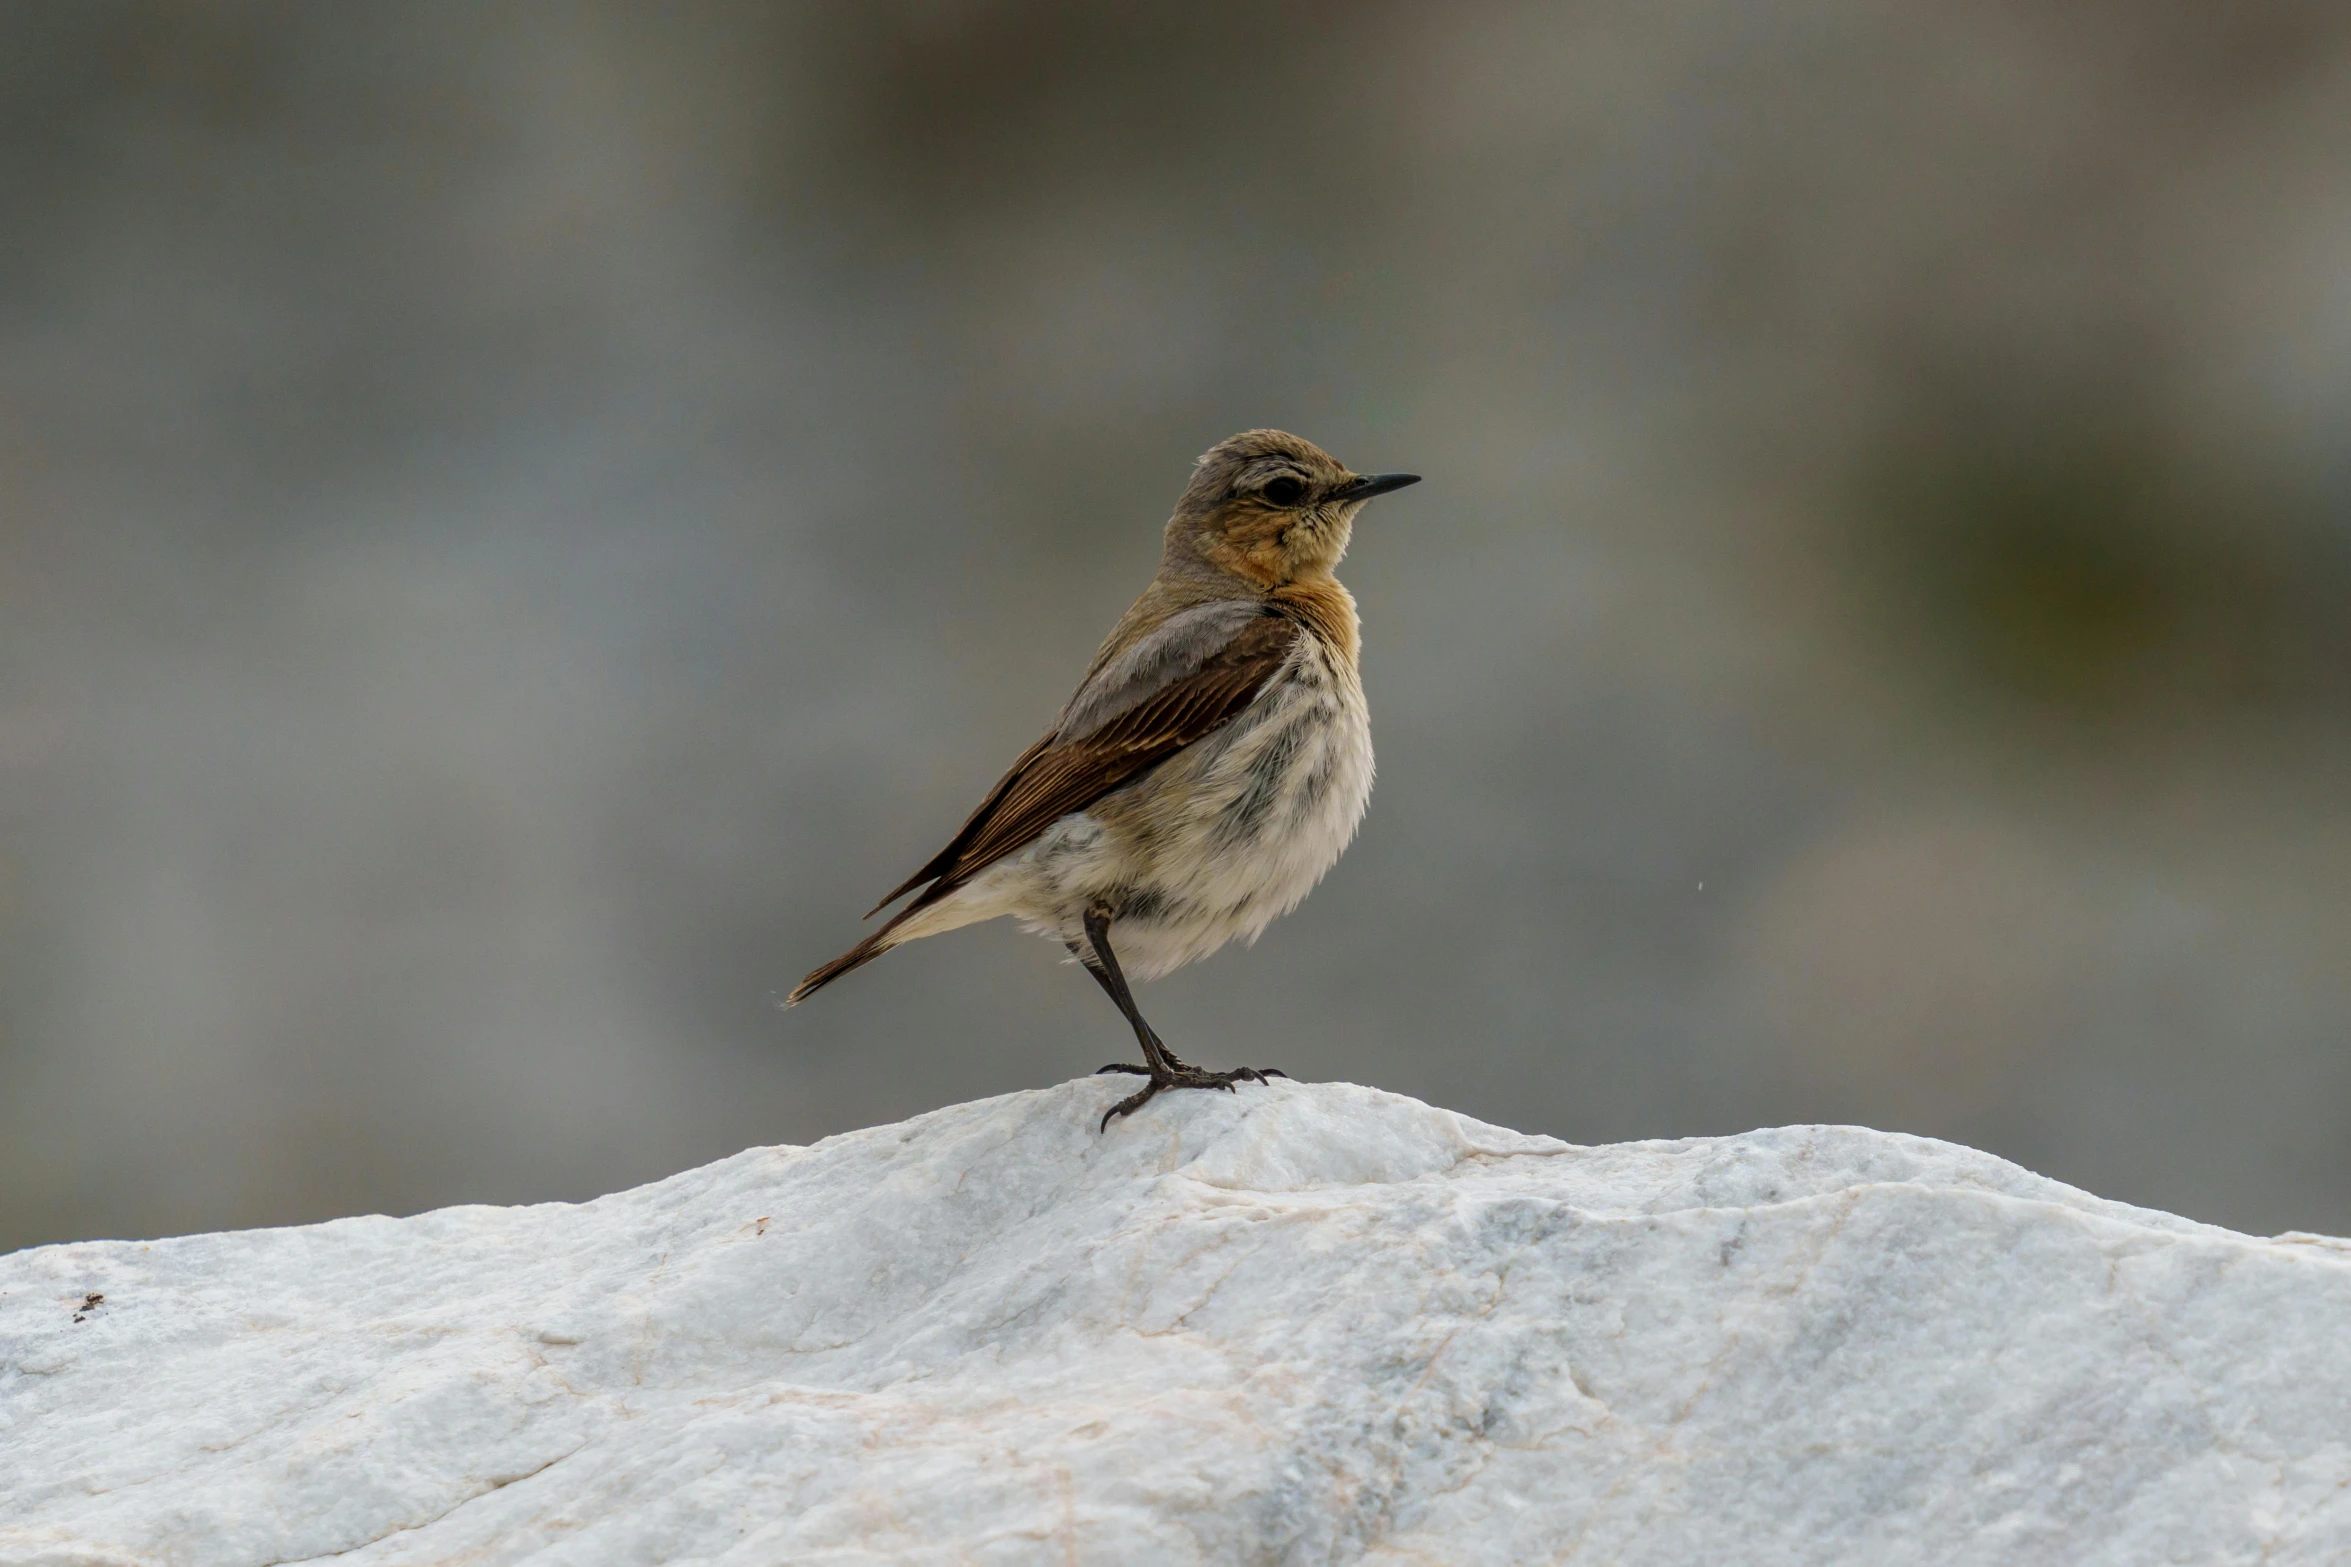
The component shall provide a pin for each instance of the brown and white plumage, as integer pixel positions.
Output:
(1209, 768)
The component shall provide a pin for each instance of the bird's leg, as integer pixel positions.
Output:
(1142, 1029)
(1164, 1069)
(1102, 963)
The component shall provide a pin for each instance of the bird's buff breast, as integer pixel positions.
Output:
(1221, 839)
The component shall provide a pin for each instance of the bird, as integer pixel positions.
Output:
(1209, 769)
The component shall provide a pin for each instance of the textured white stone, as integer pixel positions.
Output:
(1298, 1324)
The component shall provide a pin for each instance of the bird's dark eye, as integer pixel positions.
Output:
(1284, 492)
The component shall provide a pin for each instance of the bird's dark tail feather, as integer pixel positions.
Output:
(858, 956)
(872, 946)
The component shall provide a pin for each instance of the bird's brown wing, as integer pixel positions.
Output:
(1074, 766)
(1056, 776)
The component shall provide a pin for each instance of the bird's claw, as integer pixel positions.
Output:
(1182, 1077)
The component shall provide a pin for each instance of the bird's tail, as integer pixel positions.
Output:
(934, 909)
(858, 956)
(881, 941)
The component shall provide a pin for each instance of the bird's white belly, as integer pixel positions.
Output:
(1219, 840)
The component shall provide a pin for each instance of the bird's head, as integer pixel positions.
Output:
(1270, 508)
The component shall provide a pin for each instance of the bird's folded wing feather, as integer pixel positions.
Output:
(1155, 701)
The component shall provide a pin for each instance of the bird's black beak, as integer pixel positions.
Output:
(1372, 484)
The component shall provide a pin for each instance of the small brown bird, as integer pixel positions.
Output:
(1211, 766)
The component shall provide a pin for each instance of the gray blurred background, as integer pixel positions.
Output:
(518, 522)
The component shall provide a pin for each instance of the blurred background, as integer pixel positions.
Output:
(517, 522)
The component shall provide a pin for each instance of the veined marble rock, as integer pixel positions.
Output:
(1305, 1323)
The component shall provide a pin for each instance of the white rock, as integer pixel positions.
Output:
(1297, 1324)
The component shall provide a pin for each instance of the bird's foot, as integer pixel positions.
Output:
(1123, 1066)
(1183, 1076)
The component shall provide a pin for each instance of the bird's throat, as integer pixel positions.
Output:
(1326, 608)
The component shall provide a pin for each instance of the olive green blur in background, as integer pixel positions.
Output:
(518, 522)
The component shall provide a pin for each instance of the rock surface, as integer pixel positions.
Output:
(1300, 1324)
